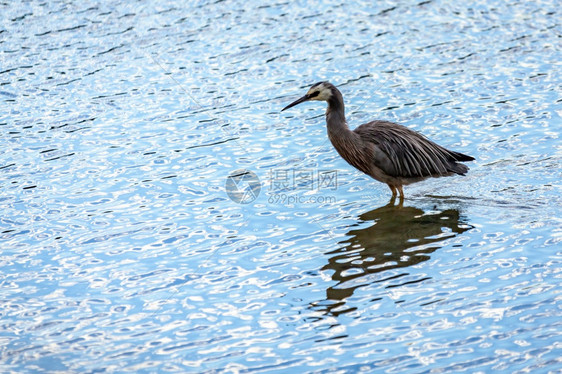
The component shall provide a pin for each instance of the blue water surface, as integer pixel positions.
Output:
(120, 250)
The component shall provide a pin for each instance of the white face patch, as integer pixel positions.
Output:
(324, 92)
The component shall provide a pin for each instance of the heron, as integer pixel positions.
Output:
(386, 151)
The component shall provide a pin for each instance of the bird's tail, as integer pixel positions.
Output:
(457, 168)
(460, 156)
(454, 162)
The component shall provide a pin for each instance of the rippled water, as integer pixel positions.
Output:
(121, 251)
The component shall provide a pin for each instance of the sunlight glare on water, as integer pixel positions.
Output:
(124, 125)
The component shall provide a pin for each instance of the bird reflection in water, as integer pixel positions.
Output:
(399, 237)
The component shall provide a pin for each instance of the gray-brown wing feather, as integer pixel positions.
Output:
(401, 152)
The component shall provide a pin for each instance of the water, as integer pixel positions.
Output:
(122, 252)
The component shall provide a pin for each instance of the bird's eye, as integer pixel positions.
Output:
(314, 94)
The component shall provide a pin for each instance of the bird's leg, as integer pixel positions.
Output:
(401, 193)
(393, 197)
(393, 190)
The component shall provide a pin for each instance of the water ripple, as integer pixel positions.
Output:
(122, 252)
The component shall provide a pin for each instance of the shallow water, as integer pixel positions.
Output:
(123, 125)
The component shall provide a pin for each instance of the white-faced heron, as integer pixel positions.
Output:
(386, 151)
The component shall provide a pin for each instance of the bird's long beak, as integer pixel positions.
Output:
(301, 100)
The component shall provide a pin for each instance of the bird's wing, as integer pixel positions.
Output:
(401, 152)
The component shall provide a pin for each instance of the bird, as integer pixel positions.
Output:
(386, 151)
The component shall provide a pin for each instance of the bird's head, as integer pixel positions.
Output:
(321, 91)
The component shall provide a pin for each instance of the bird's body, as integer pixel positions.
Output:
(386, 151)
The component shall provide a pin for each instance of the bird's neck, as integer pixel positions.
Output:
(336, 123)
(335, 114)
(343, 139)
(348, 144)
